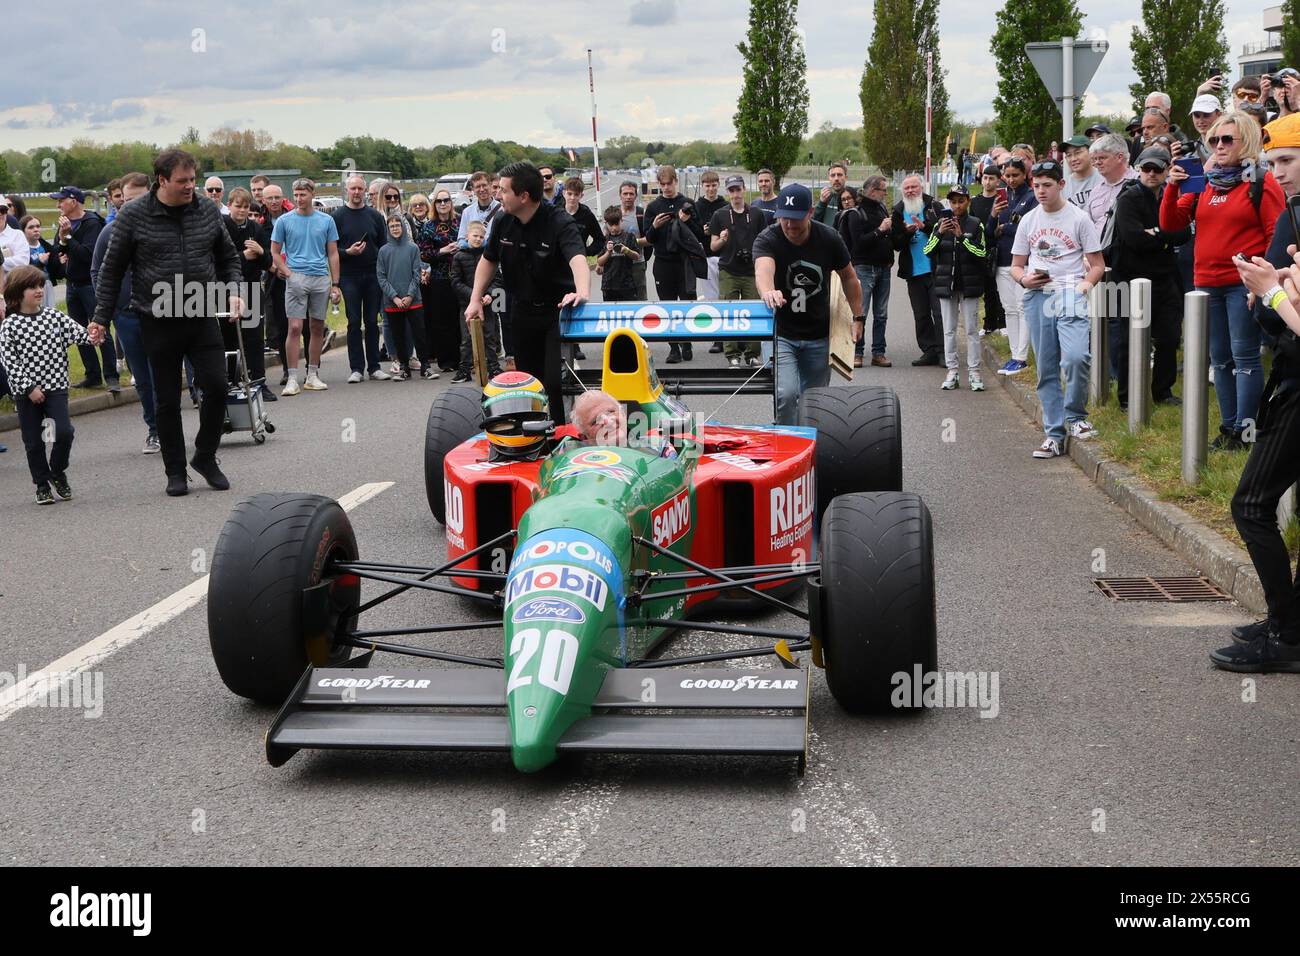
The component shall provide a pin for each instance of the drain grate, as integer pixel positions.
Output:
(1160, 589)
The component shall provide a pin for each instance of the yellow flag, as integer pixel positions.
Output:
(972, 139)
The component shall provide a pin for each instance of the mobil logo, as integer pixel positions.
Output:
(454, 503)
(572, 581)
(792, 503)
(672, 519)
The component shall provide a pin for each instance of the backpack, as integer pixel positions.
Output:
(1108, 248)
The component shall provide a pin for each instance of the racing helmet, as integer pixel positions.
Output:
(509, 400)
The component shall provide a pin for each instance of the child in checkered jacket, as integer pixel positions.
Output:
(34, 343)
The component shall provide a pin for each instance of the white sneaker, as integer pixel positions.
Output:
(429, 374)
(976, 383)
(290, 387)
(379, 375)
(354, 378)
(951, 382)
(1050, 448)
(314, 383)
(396, 369)
(1082, 430)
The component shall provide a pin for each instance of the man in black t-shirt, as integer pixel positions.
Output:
(361, 233)
(793, 262)
(543, 269)
(732, 232)
(674, 229)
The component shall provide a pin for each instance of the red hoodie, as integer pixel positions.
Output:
(1226, 224)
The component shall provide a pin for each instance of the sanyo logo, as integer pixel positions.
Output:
(672, 519)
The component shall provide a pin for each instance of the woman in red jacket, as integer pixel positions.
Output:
(1229, 220)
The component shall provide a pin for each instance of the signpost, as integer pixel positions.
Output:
(1066, 68)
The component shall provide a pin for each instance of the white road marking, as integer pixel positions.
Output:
(561, 837)
(40, 684)
(836, 810)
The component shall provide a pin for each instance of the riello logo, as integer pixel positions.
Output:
(672, 519)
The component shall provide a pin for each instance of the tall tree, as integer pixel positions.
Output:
(1290, 32)
(1024, 111)
(1178, 45)
(893, 85)
(772, 113)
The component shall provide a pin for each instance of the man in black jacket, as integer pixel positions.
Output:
(915, 216)
(958, 251)
(981, 207)
(867, 230)
(673, 270)
(181, 260)
(1141, 250)
(78, 229)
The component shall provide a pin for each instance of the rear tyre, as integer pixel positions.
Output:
(271, 548)
(878, 610)
(859, 440)
(456, 417)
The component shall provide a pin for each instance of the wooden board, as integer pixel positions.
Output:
(841, 334)
(480, 350)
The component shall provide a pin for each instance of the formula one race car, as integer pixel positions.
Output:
(591, 557)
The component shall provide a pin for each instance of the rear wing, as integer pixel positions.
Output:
(735, 320)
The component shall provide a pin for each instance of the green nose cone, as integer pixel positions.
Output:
(538, 719)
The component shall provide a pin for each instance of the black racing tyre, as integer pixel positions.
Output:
(273, 546)
(859, 440)
(878, 614)
(456, 417)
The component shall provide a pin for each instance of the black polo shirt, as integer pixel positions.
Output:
(534, 256)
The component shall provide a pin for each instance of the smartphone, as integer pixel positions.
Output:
(946, 214)
(1290, 211)
(1002, 194)
(1195, 181)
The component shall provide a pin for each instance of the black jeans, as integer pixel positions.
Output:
(925, 313)
(1166, 334)
(407, 328)
(441, 325)
(362, 300)
(994, 316)
(252, 336)
(168, 342)
(537, 351)
(1272, 468)
(31, 419)
(81, 307)
(675, 282)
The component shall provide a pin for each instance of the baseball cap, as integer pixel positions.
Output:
(1135, 122)
(793, 202)
(1155, 155)
(1283, 132)
(69, 192)
(959, 190)
(1206, 103)
(1098, 128)
(733, 181)
(4, 201)
(1080, 142)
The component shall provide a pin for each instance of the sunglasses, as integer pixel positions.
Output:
(1227, 139)
(1153, 169)
(440, 201)
(214, 189)
(1046, 168)
(419, 204)
(393, 196)
(1251, 95)
(547, 176)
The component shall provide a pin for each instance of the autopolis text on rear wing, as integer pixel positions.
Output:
(733, 319)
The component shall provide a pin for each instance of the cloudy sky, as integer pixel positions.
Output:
(427, 72)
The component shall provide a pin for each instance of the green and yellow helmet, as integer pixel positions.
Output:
(509, 399)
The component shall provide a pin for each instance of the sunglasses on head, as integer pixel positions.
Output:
(1047, 167)
(1227, 139)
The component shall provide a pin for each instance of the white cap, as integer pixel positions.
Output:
(4, 200)
(1206, 103)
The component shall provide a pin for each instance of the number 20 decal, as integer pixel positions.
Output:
(555, 670)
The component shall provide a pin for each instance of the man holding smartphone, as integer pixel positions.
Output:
(1057, 259)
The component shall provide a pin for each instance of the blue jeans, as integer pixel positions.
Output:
(800, 365)
(875, 291)
(1058, 331)
(128, 333)
(1234, 355)
(361, 298)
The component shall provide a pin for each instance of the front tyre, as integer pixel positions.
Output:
(878, 609)
(272, 548)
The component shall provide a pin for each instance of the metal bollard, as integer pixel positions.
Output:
(1196, 389)
(1099, 382)
(1139, 355)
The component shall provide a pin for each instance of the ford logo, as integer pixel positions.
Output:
(548, 609)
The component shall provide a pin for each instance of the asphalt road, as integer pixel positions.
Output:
(1114, 743)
